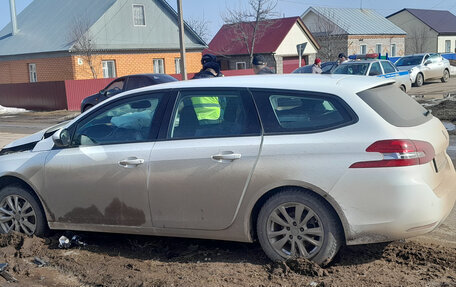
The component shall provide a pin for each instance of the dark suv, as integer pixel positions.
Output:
(123, 84)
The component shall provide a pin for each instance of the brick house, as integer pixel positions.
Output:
(353, 31)
(432, 31)
(126, 37)
(276, 40)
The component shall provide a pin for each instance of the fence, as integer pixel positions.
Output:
(34, 96)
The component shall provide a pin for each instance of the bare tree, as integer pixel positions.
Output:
(83, 44)
(201, 27)
(332, 38)
(251, 23)
(416, 40)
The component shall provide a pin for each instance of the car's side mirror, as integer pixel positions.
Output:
(61, 138)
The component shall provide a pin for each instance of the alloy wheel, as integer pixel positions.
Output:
(17, 214)
(295, 230)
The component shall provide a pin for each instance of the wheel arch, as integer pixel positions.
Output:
(13, 180)
(342, 221)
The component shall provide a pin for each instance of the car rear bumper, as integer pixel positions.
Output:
(389, 207)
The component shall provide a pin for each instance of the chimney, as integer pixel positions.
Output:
(13, 16)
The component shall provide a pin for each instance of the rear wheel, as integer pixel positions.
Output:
(419, 80)
(20, 212)
(296, 223)
(446, 76)
(402, 87)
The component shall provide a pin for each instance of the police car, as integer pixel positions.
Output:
(371, 65)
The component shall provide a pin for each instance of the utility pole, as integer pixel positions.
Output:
(181, 40)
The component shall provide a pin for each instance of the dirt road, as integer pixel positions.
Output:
(128, 260)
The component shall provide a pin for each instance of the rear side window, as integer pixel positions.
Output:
(294, 112)
(395, 106)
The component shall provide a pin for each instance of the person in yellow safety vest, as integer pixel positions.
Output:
(206, 108)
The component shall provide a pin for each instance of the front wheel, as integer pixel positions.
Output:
(402, 87)
(296, 223)
(20, 212)
(419, 80)
(446, 76)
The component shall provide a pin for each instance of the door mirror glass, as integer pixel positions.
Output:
(61, 138)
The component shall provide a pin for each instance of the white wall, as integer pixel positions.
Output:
(295, 36)
(441, 43)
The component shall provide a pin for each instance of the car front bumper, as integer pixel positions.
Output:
(390, 205)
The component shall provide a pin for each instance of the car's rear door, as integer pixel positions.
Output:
(201, 168)
(102, 178)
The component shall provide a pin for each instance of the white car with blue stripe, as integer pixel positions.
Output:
(376, 67)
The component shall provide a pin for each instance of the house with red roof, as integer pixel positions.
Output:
(276, 40)
(427, 30)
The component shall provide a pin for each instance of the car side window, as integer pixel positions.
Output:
(115, 87)
(435, 58)
(388, 67)
(137, 82)
(126, 121)
(375, 69)
(291, 112)
(200, 114)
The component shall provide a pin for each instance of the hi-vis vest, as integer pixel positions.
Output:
(206, 108)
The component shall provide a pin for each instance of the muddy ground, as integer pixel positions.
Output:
(120, 260)
(128, 260)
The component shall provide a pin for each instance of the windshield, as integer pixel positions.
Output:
(352, 69)
(409, 61)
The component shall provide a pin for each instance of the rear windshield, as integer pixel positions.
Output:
(395, 106)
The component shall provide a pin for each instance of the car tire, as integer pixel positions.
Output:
(402, 87)
(21, 212)
(419, 80)
(315, 235)
(86, 108)
(446, 76)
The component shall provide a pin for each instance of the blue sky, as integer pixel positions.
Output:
(211, 10)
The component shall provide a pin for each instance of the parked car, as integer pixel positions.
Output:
(301, 163)
(376, 67)
(123, 84)
(423, 67)
(327, 68)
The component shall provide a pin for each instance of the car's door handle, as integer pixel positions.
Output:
(131, 162)
(226, 156)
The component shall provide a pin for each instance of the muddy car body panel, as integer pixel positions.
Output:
(130, 165)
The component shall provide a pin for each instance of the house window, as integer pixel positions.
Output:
(159, 67)
(393, 50)
(363, 49)
(177, 65)
(32, 73)
(241, 65)
(109, 69)
(447, 46)
(138, 15)
(378, 48)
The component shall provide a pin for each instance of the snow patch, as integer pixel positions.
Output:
(7, 110)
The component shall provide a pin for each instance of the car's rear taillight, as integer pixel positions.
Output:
(398, 153)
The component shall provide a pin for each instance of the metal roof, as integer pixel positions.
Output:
(270, 35)
(442, 21)
(356, 21)
(45, 25)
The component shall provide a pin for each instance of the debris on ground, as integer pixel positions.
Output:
(39, 262)
(64, 242)
(5, 274)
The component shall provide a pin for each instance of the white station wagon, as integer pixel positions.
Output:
(302, 163)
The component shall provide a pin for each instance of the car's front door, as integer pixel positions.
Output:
(102, 178)
(200, 171)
